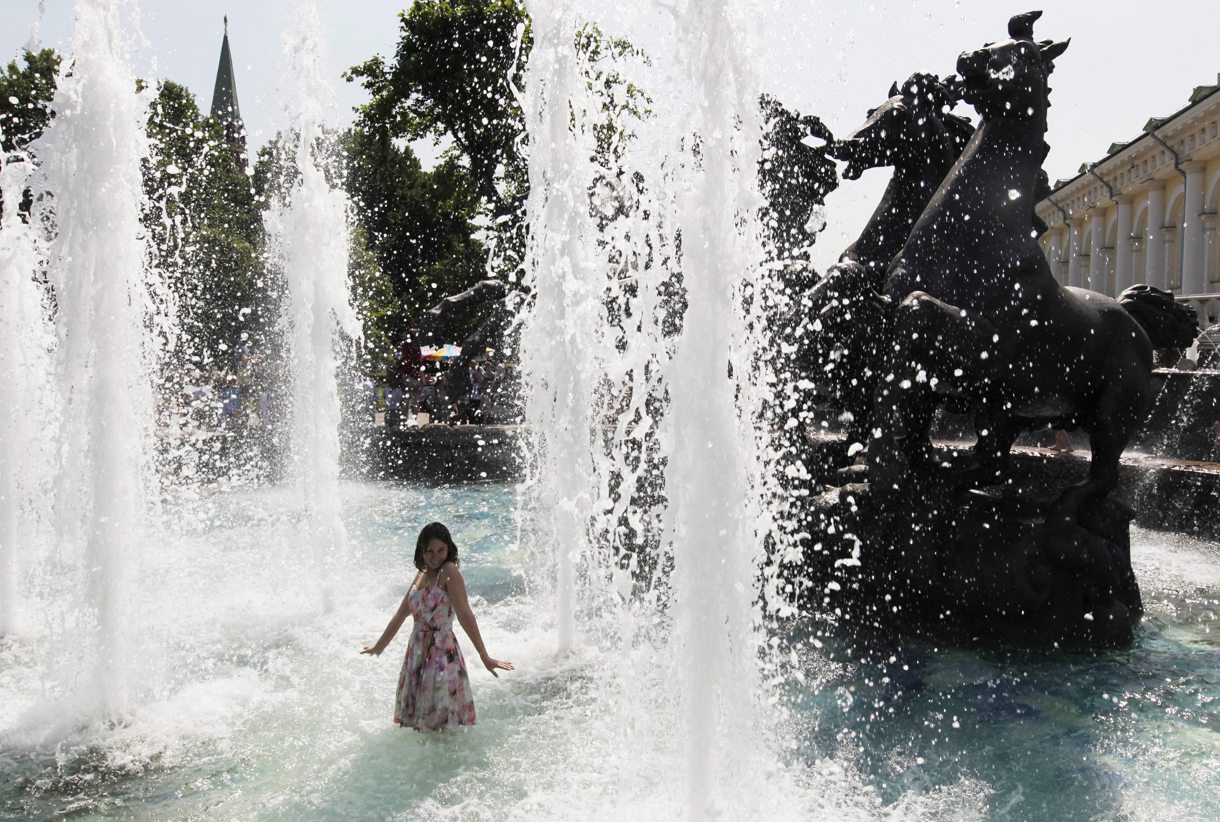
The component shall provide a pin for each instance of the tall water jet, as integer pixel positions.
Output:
(26, 343)
(636, 340)
(309, 239)
(90, 194)
(557, 343)
(716, 545)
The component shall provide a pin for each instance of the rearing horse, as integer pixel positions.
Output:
(914, 132)
(979, 315)
(841, 318)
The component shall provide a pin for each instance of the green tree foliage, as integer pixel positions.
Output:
(25, 97)
(25, 103)
(206, 231)
(456, 74)
(449, 82)
(420, 224)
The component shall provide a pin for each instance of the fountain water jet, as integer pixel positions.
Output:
(717, 548)
(561, 408)
(90, 193)
(611, 365)
(309, 237)
(26, 344)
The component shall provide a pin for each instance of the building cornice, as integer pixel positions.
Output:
(1193, 133)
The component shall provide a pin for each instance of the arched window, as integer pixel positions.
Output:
(1211, 233)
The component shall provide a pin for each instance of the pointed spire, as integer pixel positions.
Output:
(224, 96)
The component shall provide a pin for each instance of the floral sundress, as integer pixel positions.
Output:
(433, 688)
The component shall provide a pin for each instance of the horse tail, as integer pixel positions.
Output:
(1167, 323)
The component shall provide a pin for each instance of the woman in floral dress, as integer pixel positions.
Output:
(433, 688)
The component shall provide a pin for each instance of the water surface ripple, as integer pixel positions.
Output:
(252, 703)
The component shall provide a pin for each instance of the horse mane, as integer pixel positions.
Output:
(1168, 323)
(959, 128)
(929, 92)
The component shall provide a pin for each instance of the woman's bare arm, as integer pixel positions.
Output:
(455, 587)
(396, 621)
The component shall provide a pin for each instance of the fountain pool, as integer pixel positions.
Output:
(252, 702)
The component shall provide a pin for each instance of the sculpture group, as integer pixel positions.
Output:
(947, 301)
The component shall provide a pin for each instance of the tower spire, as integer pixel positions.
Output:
(224, 95)
(224, 101)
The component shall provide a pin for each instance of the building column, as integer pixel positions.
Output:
(1047, 241)
(1097, 256)
(1075, 278)
(1059, 242)
(1155, 273)
(1193, 278)
(1124, 276)
(1139, 245)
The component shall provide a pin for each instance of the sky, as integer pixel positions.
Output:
(1128, 61)
(182, 43)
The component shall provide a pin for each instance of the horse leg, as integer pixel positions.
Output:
(993, 450)
(1120, 410)
(837, 348)
(858, 380)
(931, 341)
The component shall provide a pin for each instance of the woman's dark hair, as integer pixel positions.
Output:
(434, 530)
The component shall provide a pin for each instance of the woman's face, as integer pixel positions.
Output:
(435, 553)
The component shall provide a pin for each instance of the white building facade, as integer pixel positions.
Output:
(1146, 212)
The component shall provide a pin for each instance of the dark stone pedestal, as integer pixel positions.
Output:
(1183, 421)
(981, 567)
(1178, 496)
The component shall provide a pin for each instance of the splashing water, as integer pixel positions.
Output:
(90, 194)
(26, 345)
(646, 477)
(649, 497)
(309, 236)
(80, 497)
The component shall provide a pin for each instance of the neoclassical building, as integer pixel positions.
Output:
(1146, 212)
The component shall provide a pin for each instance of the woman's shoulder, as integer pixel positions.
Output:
(449, 571)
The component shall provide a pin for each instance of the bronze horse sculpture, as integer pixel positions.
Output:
(957, 307)
(843, 317)
(977, 314)
(795, 175)
(914, 132)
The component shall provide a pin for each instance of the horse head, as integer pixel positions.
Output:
(1008, 79)
(912, 122)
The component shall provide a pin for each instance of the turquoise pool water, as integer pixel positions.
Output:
(249, 702)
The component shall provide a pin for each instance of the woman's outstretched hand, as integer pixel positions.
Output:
(493, 665)
(369, 649)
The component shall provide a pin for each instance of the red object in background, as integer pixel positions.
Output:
(408, 360)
